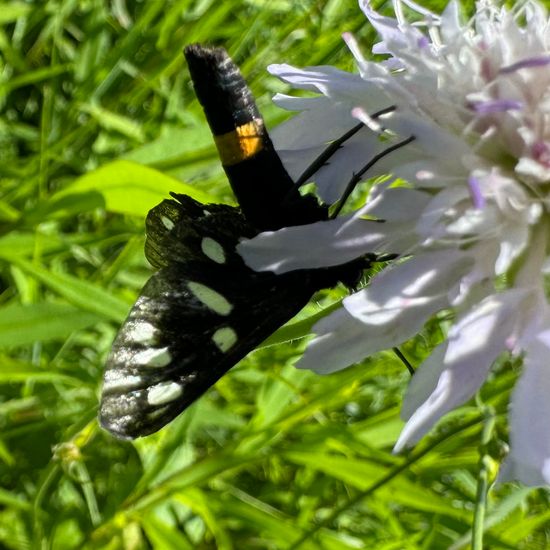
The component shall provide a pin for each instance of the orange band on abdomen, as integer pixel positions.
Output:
(242, 143)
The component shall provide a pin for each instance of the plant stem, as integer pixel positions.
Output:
(485, 467)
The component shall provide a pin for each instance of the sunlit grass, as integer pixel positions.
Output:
(97, 123)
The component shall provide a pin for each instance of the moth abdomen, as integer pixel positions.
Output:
(265, 191)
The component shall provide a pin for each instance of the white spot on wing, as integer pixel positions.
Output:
(167, 222)
(213, 249)
(142, 333)
(224, 338)
(152, 357)
(210, 298)
(114, 380)
(163, 393)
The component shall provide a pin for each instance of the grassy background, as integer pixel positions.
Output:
(97, 123)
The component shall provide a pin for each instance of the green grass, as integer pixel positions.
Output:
(97, 123)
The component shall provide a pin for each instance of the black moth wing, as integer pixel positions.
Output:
(204, 309)
(180, 230)
(196, 317)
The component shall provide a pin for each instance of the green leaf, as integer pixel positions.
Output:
(113, 121)
(26, 324)
(265, 519)
(200, 503)
(164, 535)
(18, 371)
(8, 498)
(173, 144)
(82, 294)
(64, 206)
(18, 243)
(276, 393)
(130, 188)
(299, 329)
(33, 77)
(5, 455)
(13, 11)
(194, 474)
(498, 514)
(363, 473)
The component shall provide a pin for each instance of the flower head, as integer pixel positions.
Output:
(472, 222)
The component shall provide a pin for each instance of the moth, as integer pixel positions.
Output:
(204, 309)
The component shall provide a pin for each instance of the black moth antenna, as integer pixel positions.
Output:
(333, 146)
(204, 309)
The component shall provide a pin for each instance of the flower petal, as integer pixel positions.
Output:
(474, 343)
(420, 283)
(319, 244)
(341, 342)
(529, 458)
(329, 81)
(338, 241)
(393, 309)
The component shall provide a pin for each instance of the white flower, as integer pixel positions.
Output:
(476, 100)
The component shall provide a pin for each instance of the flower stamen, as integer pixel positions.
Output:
(540, 61)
